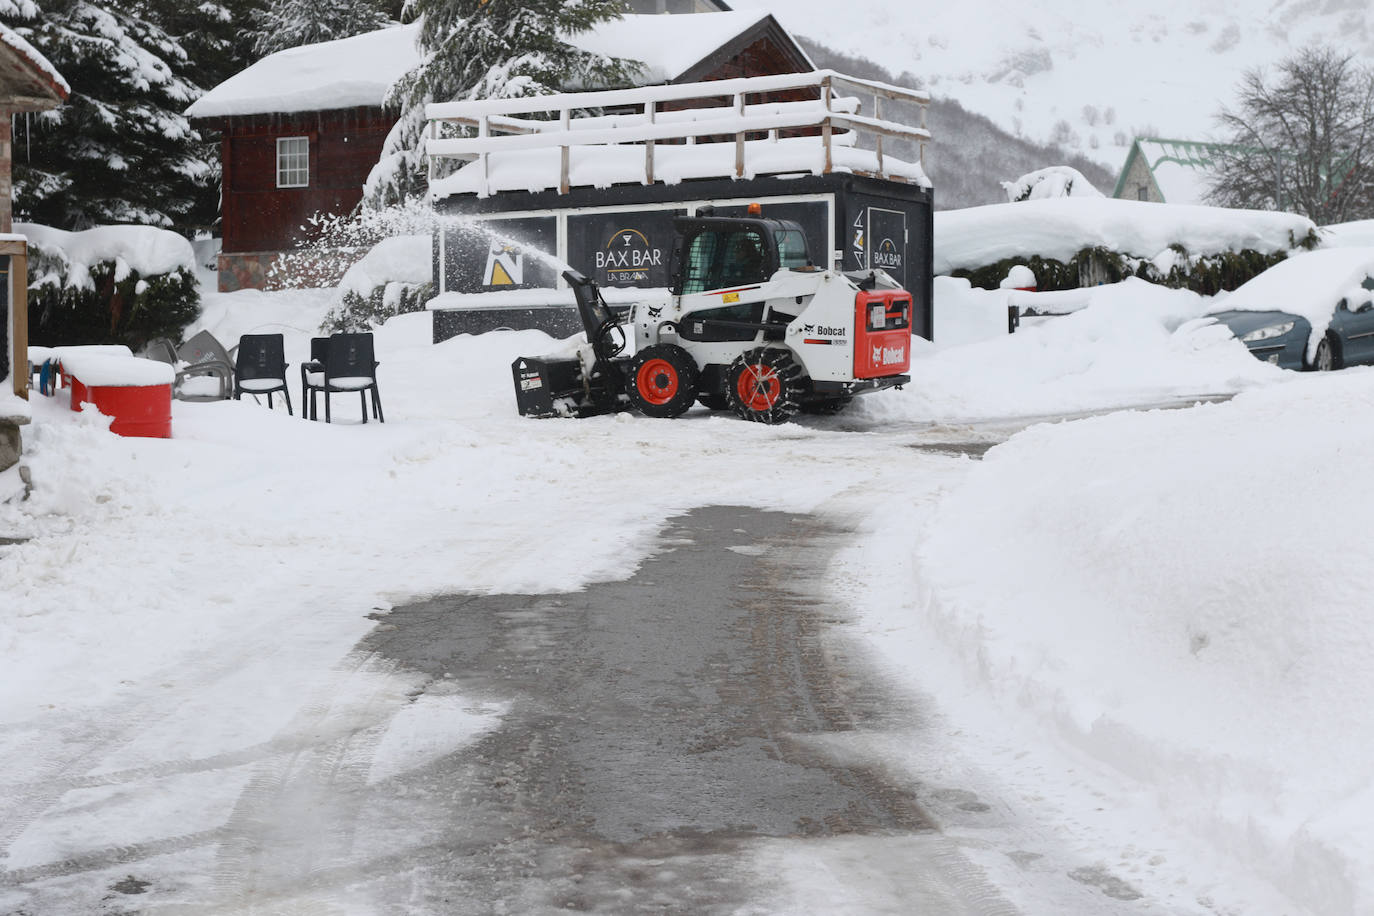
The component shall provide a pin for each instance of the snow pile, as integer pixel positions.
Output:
(405, 260)
(1060, 228)
(1357, 233)
(1203, 630)
(1133, 342)
(1055, 181)
(348, 73)
(146, 250)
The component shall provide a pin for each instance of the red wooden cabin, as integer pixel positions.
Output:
(302, 128)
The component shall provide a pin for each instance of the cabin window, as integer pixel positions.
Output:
(1142, 192)
(293, 162)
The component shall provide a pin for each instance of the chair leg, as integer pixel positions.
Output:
(377, 404)
(326, 406)
(362, 402)
(286, 393)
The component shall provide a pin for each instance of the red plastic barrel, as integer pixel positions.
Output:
(142, 410)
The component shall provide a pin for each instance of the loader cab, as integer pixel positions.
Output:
(713, 253)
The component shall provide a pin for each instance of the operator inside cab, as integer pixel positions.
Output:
(744, 260)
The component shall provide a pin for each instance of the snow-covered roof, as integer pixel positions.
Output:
(358, 71)
(34, 84)
(668, 46)
(347, 73)
(1181, 168)
(1059, 228)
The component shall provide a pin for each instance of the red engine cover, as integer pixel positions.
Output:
(882, 339)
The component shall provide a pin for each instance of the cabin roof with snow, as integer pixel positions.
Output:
(357, 72)
(28, 82)
(1167, 171)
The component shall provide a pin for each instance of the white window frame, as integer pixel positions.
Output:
(294, 174)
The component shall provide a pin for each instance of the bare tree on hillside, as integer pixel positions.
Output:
(1303, 142)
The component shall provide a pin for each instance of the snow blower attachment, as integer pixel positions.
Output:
(590, 383)
(751, 326)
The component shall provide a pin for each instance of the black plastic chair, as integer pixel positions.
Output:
(260, 367)
(349, 366)
(312, 376)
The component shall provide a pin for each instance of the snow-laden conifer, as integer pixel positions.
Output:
(292, 23)
(119, 150)
(486, 49)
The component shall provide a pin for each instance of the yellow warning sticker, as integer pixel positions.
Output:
(730, 297)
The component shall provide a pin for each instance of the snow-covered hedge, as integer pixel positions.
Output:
(1071, 242)
(393, 278)
(111, 284)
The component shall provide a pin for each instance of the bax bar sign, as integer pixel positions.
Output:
(628, 257)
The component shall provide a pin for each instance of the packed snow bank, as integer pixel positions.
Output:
(1133, 343)
(1357, 233)
(146, 250)
(1062, 227)
(1181, 594)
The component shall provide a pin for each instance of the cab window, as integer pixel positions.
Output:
(792, 249)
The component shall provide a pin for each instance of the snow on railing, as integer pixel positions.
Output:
(833, 121)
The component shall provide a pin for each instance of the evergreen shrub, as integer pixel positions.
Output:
(357, 313)
(116, 306)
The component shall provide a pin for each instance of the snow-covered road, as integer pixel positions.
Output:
(194, 710)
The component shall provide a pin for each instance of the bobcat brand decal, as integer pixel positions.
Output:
(889, 356)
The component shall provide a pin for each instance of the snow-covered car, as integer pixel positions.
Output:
(1311, 311)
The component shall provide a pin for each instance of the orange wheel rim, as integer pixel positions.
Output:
(758, 387)
(656, 381)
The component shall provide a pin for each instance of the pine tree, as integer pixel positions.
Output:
(486, 49)
(120, 150)
(292, 23)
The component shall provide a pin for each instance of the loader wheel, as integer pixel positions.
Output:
(662, 381)
(764, 385)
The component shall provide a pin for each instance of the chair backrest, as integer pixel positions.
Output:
(350, 356)
(261, 356)
(202, 348)
(319, 349)
(161, 350)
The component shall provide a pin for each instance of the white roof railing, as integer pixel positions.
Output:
(694, 116)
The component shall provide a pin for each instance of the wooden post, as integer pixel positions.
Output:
(739, 138)
(826, 129)
(484, 131)
(564, 155)
(878, 115)
(649, 109)
(19, 310)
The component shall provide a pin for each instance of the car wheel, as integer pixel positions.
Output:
(1325, 360)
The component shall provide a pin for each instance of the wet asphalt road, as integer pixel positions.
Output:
(656, 729)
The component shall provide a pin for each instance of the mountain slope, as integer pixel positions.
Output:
(968, 155)
(1086, 75)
